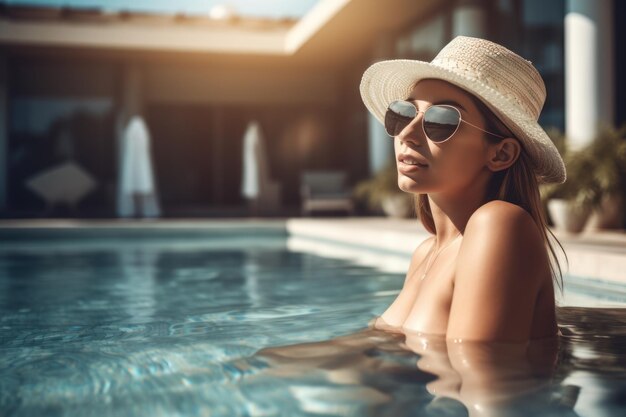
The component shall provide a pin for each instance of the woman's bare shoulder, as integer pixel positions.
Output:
(499, 210)
(502, 241)
(500, 270)
(502, 222)
(503, 225)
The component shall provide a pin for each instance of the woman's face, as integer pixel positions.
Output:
(452, 165)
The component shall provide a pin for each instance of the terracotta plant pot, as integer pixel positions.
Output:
(566, 216)
(397, 205)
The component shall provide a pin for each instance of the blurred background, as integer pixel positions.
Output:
(200, 108)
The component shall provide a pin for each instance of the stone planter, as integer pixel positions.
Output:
(398, 205)
(566, 217)
(610, 214)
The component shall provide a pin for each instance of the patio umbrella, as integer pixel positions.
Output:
(136, 181)
(66, 183)
(255, 168)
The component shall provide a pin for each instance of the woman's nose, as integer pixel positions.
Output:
(413, 131)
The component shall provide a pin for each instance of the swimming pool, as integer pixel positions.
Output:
(232, 325)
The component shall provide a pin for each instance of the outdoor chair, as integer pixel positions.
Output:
(325, 191)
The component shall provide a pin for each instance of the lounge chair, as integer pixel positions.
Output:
(324, 191)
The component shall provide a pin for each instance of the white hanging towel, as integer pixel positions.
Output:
(136, 177)
(255, 168)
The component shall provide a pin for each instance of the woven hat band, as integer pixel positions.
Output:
(499, 69)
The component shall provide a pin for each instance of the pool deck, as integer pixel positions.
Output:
(593, 253)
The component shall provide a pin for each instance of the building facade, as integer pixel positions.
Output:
(70, 79)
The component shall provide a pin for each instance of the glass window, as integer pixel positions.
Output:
(60, 112)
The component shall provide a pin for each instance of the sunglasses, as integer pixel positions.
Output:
(440, 121)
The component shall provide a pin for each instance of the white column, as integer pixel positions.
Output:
(589, 63)
(380, 144)
(4, 132)
(469, 18)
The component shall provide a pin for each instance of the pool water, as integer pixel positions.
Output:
(249, 327)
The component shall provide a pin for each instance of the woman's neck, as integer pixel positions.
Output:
(451, 214)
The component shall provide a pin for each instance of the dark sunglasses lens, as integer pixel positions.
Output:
(399, 115)
(440, 122)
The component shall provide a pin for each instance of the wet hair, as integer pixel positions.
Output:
(517, 184)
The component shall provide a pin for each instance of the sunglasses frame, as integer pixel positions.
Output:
(417, 112)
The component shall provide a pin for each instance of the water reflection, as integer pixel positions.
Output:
(580, 373)
(137, 286)
(489, 379)
(373, 371)
(594, 359)
(376, 372)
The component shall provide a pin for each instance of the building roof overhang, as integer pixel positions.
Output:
(332, 29)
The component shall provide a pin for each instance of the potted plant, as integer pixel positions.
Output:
(596, 180)
(381, 192)
(608, 155)
(570, 203)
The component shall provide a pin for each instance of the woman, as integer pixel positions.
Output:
(469, 148)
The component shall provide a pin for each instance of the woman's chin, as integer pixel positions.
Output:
(409, 185)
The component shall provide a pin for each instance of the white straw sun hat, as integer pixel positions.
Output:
(507, 83)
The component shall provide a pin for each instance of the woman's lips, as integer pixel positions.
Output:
(408, 168)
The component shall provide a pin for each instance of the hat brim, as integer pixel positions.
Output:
(386, 81)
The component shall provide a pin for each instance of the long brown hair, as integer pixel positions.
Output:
(516, 184)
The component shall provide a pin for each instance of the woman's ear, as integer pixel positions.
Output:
(503, 154)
